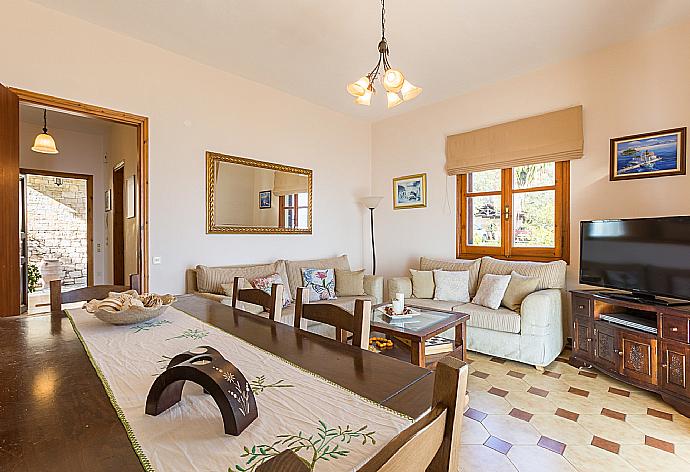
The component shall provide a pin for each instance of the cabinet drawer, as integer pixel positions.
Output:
(581, 306)
(675, 328)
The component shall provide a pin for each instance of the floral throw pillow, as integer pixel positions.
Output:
(265, 283)
(320, 282)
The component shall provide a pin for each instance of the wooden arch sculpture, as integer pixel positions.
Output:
(218, 377)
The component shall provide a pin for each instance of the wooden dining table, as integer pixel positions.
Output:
(55, 414)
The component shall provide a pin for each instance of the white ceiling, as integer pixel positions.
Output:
(33, 114)
(313, 48)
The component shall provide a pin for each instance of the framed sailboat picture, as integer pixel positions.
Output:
(649, 155)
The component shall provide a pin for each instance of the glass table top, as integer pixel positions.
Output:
(421, 320)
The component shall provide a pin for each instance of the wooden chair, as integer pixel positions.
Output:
(58, 297)
(430, 444)
(343, 320)
(272, 303)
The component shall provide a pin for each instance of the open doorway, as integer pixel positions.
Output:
(118, 226)
(13, 231)
(59, 233)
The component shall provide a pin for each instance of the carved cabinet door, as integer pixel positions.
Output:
(638, 356)
(675, 358)
(605, 346)
(583, 338)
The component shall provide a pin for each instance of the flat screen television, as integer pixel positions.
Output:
(646, 256)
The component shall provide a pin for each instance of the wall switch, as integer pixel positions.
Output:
(156, 260)
(98, 247)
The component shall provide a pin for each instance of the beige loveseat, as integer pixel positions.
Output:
(534, 336)
(207, 282)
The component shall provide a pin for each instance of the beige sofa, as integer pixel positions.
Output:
(206, 282)
(534, 336)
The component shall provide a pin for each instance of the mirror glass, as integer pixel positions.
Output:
(248, 196)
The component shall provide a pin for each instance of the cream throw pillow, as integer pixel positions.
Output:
(349, 283)
(422, 283)
(491, 290)
(452, 286)
(519, 287)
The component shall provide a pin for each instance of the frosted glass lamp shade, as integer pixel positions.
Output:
(359, 88)
(371, 202)
(44, 143)
(409, 91)
(364, 99)
(393, 80)
(393, 99)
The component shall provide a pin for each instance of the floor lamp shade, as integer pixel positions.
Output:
(371, 202)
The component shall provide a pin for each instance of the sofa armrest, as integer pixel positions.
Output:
(373, 286)
(399, 285)
(542, 313)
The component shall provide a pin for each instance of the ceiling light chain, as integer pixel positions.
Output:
(398, 89)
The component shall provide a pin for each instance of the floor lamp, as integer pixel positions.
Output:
(371, 203)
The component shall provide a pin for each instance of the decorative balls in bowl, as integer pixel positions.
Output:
(129, 307)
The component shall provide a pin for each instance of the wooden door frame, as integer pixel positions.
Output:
(89, 210)
(142, 125)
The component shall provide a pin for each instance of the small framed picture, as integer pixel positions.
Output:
(131, 187)
(108, 200)
(264, 199)
(654, 154)
(409, 191)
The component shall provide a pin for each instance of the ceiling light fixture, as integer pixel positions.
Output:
(398, 89)
(44, 143)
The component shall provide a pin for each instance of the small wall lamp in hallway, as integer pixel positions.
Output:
(372, 202)
(44, 143)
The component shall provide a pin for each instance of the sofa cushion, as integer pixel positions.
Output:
(320, 282)
(287, 316)
(294, 269)
(209, 279)
(501, 319)
(422, 283)
(519, 287)
(550, 274)
(458, 264)
(491, 290)
(349, 283)
(451, 285)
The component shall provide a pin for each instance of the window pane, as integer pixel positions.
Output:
(534, 215)
(534, 175)
(484, 221)
(485, 181)
(289, 200)
(289, 219)
(303, 218)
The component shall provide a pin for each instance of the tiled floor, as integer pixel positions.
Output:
(566, 420)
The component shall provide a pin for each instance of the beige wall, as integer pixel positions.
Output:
(121, 146)
(630, 88)
(194, 108)
(80, 153)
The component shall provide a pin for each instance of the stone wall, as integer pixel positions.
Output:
(57, 224)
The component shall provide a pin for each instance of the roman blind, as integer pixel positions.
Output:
(287, 183)
(551, 137)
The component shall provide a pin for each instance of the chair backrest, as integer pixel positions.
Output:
(57, 297)
(431, 444)
(272, 303)
(357, 323)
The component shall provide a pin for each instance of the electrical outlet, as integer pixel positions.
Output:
(156, 260)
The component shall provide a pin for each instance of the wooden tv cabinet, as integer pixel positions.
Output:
(655, 362)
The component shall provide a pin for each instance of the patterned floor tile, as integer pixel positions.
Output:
(479, 458)
(511, 429)
(587, 429)
(527, 458)
(649, 459)
(498, 444)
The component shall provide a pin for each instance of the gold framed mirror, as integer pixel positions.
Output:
(255, 197)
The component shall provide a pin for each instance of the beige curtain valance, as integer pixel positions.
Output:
(286, 183)
(551, 137)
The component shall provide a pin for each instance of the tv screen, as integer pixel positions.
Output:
(646, 255)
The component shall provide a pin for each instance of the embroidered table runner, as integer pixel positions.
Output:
(331, 428)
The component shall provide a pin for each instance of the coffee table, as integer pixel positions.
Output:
(421, 327)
